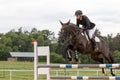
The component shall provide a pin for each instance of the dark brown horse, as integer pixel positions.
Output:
(75, 41)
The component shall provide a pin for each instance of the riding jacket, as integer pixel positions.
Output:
(85, 22)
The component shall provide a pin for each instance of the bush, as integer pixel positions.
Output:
(56, 58)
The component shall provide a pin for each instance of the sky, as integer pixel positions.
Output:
(45, 14)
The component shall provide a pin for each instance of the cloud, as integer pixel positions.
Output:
(45, 14)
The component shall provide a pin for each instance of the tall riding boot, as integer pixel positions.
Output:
(93, 43)
(95, 46)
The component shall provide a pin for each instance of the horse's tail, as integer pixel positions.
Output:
(111, 57)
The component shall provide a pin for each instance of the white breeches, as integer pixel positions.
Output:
(91, 34)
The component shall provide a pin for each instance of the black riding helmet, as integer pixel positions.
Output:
(78, 12)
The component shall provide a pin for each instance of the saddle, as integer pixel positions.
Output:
(93, 41)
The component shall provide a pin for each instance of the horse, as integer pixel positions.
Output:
(74, 40)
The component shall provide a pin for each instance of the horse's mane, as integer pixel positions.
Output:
(74, 25)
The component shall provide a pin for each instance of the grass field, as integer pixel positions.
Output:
(5, 65)
(22, 75)
(5, 75)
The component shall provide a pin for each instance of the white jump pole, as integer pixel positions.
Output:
(35, 61)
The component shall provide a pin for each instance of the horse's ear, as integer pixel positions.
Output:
(60, 22)
(68, 22)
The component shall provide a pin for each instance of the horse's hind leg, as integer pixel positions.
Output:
(95, 57)
(110, 59)
(112, 73)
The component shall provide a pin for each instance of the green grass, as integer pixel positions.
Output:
(5, 65)
(5, 75)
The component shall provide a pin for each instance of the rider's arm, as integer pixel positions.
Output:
(88, 23)
(88, 26)
(77, 23)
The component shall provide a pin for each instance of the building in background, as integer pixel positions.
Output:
(21, 56)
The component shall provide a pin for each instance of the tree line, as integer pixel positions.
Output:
(20, 41)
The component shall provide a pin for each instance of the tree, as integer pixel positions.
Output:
(117, 56)
(4, 47)
(33, 31)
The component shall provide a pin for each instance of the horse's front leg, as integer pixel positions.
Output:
(76, 57)
(69, 56)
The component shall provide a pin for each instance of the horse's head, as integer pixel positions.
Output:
(73, 35)
(64, 31)
(68, 30)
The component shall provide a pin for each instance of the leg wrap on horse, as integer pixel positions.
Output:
(76, 56)
(69, 56)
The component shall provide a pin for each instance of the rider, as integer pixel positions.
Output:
(87, 26)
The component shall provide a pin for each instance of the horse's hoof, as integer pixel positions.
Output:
(71, 61)
(105, 74)
(79, 61)
(113, 74)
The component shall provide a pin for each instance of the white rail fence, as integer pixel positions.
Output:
(10, 73)
(4, 73)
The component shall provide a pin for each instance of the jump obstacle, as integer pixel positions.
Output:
(87, 77)
(45, 68)
(79, 66)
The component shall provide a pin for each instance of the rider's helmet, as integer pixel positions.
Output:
(78, 12)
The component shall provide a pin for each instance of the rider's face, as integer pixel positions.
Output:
(78, 16)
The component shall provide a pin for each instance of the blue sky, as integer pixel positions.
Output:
(45, 14)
